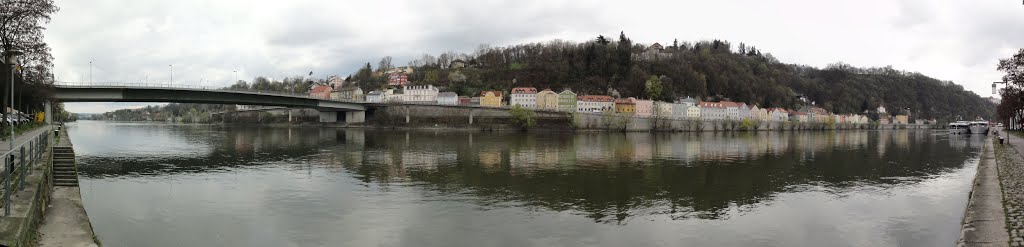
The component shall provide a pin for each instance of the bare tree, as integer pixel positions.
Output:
(21, 28)
(385, 64)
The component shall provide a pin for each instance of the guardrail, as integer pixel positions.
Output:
(194, 87)
(18, 162)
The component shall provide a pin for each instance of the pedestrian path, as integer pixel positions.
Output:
(65, 222)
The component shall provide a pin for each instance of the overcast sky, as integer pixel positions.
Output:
(205, 41)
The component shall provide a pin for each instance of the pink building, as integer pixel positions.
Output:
(644, 108)
(320, 92)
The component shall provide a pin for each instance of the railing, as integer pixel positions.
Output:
(18, 162)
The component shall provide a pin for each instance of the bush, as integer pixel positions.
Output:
(522, 117)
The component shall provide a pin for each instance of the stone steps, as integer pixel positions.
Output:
(65, 171)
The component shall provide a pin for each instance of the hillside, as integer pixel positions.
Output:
(710, 70)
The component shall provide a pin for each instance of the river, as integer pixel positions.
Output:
(154, 184)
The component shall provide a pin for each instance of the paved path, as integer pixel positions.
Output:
(66, 223)
(985, 220)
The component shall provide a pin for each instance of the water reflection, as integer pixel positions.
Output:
(607, 177)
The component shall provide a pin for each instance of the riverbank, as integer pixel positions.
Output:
(66, 222)
(984, 222)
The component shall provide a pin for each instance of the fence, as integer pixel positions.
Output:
(18, 162)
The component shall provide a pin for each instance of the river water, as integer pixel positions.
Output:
(151, 184)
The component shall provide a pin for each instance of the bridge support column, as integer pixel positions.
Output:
(407, 115)
(328, 117)
(355, 117)
(470, 117)
(48, 112)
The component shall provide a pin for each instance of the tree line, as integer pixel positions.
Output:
(708, 70)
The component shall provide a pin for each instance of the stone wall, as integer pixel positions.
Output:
(29, 206)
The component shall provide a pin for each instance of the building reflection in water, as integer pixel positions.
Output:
(608, 177)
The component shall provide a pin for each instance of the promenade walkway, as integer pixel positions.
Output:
(65, 222)
(1010, 164)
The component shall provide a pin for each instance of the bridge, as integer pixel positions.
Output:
(330, 110)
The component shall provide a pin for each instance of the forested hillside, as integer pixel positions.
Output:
(710, 70)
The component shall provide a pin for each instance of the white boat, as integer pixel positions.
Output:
(959, 127)
(978, 127)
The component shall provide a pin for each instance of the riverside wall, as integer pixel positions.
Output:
(29, 204)
(430, 116)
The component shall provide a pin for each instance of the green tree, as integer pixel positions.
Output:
(653, 88)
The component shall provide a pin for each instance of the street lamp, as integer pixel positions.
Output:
(172, 73)
(90, 72)
(236, 77)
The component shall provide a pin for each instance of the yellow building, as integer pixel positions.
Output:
(625, 105)
(547, 99)
(490, 98)
(902, 119)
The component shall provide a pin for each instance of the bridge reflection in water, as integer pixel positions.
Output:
(609, 178)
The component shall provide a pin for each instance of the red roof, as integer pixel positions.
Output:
(629, 100)
(595, 98)
(524, 90)
(320, 89)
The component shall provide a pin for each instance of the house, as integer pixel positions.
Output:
(883, 121)
(375, 97)
(397, 79)
(627, 106)
(657, 46)
(644, 108)
(802, 117)
(447, 98)
(778, 115)
(880, 110)
(490, 98)
(713, 110)
(663, 109)
(420, 94)
(693, 111)
(902, 119)
(336, 82)
(320, 92)
(463, 100)
(567, 100)
(759, 114)
(732, 110)
(348, 94)
(742, 110)
(391, 97)
(547, 99)
(594, 103)
(523, 97)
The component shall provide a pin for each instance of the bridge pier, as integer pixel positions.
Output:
(355, 117)
(328, 117)
(47, 112)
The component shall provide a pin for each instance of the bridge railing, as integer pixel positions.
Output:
(17, 164)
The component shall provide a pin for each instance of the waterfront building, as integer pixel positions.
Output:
(447, 98)
(644, 108)
(779, 115)
(547, 100)
(320, 92)
(902, 119)
(594, 103)
(348, 94)
(693, 111)
(663, 109)
(375, 97)
(420, 94)
(524, 97)
(490, 98)
(627, 106)
(567, 100)
(336, 82)
(713, 110)
(742, 111)
(464, 100)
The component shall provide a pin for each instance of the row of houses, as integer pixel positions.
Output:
(568, 101)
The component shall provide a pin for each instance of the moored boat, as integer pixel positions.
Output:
(978, 128)
(959, 127)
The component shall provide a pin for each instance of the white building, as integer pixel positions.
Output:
(778, 115)
(420, 94)
(594, 103)
(663, 109)
(713, 110)
(375, 97)
(447, 98)
(524, 97)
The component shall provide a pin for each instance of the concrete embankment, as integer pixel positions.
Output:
(984, 222)
(66, 222)
(28, 202)
(430, 116)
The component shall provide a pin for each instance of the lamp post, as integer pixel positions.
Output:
(236, 77)
(171, 66)
(10, 57)
(90, 72)
(1010, 121)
